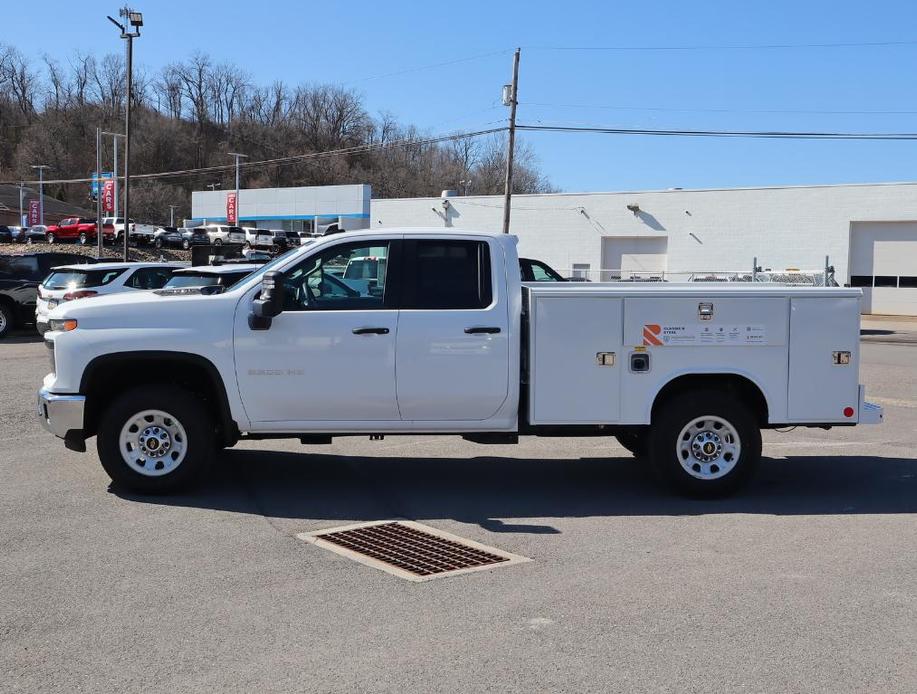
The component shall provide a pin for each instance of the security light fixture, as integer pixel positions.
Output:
(635, 208)
(135, 18)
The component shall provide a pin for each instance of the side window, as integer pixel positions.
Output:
(346, 277)
(149, 278)
(448, 275)
(540, 273)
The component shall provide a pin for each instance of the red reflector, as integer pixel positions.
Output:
(848, 411)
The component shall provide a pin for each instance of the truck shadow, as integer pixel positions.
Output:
(491, 491)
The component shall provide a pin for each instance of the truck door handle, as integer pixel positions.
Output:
(479, 331)
(370, 331)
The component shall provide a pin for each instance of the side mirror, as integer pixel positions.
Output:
(269, 303)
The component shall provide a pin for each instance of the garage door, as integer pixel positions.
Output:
(640, 257)
(883, 262)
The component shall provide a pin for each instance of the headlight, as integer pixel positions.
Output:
(63, 325)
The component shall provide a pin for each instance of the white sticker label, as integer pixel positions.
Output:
(656, 335)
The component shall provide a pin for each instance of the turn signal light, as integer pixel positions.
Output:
(81, 294)
(62, 325)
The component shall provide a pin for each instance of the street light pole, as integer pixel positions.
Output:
(172, 215)
(135, 19)
(20, 203)
(41, 191)
(238, 156)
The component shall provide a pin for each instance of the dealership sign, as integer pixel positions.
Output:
(34, 212)
(231, 209)
(108, 196)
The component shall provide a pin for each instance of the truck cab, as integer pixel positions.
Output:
(438, 334)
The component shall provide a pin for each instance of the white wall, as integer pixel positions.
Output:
(705, 229)
(349, 201)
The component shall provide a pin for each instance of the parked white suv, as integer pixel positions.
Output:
(221, 233)
(69, 282)
(258, 238)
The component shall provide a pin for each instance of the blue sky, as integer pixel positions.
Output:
(359, 44)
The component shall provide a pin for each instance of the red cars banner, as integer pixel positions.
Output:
(231, 209)
(34, 212)
(108, 196)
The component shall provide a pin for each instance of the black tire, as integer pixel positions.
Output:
(667, 447)
(182, 407)
(6, 320)
(218, 242)
(634, 442)
(49, 237)
(83, 238)
(157, 243)
(185, 244)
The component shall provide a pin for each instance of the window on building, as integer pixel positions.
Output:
(860, 280)
(886, 281)
(906, 281)
(581, 271)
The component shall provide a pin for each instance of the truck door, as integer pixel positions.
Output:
(452, 359)
(330, 356)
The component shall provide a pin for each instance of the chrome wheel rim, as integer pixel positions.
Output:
(153, 443)
(2, 321)
(708, 447)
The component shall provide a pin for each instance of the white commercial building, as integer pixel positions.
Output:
(868, 231)
(304, 209)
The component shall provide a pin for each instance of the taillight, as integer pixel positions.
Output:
(81, 294)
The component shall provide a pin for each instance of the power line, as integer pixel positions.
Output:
(761, 134)
(716, 110)
(292, 159)
(731, 47)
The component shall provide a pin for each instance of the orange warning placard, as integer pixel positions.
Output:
(651, 334)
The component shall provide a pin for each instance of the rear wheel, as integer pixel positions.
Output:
(83, 238)
(158, 243)
(218, 242)
(155, 439)
(6, 320)
(705, 443)
(49, 237)
(185, 244)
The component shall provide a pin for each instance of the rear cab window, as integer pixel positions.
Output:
(78, 279)
(447, 275)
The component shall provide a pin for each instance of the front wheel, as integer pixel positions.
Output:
(155, 439)
(158, 243)
(83, 238)
(218, 242)
(49, 237)
(185, 244)
(705, 443)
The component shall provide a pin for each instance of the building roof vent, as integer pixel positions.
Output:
(449, 194)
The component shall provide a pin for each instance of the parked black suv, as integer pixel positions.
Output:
(20, 276)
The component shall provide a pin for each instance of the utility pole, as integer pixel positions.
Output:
(99, 191)
(135, 19)
(20, 205)
(513, 101)
(238, 156)
(41, 191)
(172, 215)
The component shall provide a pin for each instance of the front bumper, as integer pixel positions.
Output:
(62, 415)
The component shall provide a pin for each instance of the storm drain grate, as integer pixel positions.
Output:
(410, 550)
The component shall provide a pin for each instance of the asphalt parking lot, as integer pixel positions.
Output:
(807, 581)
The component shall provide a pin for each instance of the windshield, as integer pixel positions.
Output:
(283, 257)
(78, 279)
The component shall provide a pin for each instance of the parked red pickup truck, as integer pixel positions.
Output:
(77, 229)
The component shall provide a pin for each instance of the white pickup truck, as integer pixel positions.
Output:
(448, 340)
